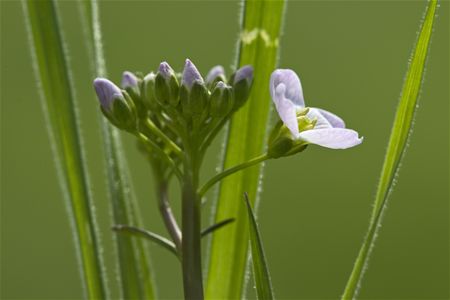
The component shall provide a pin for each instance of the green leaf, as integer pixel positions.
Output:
(398, 141)
(260, 269)
(135, 277)
(259, 41)
(153, 237)
(59, 105)
(216, 226)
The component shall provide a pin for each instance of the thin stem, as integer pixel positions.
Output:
(153, 128)
(215, 130)
(167, 214)
(155, 146)
(230, 171)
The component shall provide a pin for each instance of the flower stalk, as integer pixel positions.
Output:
(191, 227)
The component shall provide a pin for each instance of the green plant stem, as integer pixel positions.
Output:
(191, 219)
(228, 172)
(152, 127)
(142, 137)
(167, 214)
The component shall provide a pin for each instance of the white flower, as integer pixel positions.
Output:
(329, 131)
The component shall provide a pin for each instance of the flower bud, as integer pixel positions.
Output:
(190, 75)
(193, 92)
(131, 84)
(194, 101)
(148, 91)
(166, 86)
(242, 81)
(107, 92)
(215, 75)
(116, 105)
(221, 102)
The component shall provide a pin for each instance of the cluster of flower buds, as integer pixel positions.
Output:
(174, 104)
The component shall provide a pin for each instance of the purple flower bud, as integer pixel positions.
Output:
(165, 70)
(246, 72)
(107, 92)
(214, 73)
(190, 75)
(129, 80)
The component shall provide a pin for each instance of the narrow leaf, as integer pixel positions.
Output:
(142, 233)
(260, 269)
(216, 226)
(59, 105)
(398, 141)
(135, 277)
(258, 46)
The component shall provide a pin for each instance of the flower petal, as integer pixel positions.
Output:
(322, 122)
(190, 75)
(165, 70)
(106, 92)
(244, 73)
(334, 120)
(334, 138)
(214, 73)
(293, 90)
(129, 80)
(287, 110)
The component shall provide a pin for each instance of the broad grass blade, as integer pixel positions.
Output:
(258, 46)
(261, 274)
(401, 130)
(59, 105)
(134, 272)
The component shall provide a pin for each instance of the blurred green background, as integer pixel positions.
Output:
(314, 211)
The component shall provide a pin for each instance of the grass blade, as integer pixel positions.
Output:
(261, 274)
(401, 131)
(135, 277)
(259, 41)
(59, 106)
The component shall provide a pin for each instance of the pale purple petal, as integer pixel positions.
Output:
(334, 120)
(190, 75)
(214, 73)
(129, 80)
(165, 70)
(292, 83)
(246, 72)
(321, 121)
(106, 92)
(286, 109)
(334, 138)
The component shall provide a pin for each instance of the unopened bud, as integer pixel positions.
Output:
(166, 86)
(215, 75)
(148, 91)
(242, 82)
(194, 101)
(221, 102)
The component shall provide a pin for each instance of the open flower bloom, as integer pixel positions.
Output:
(329, 130)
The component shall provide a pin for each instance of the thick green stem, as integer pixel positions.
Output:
(191, 227)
